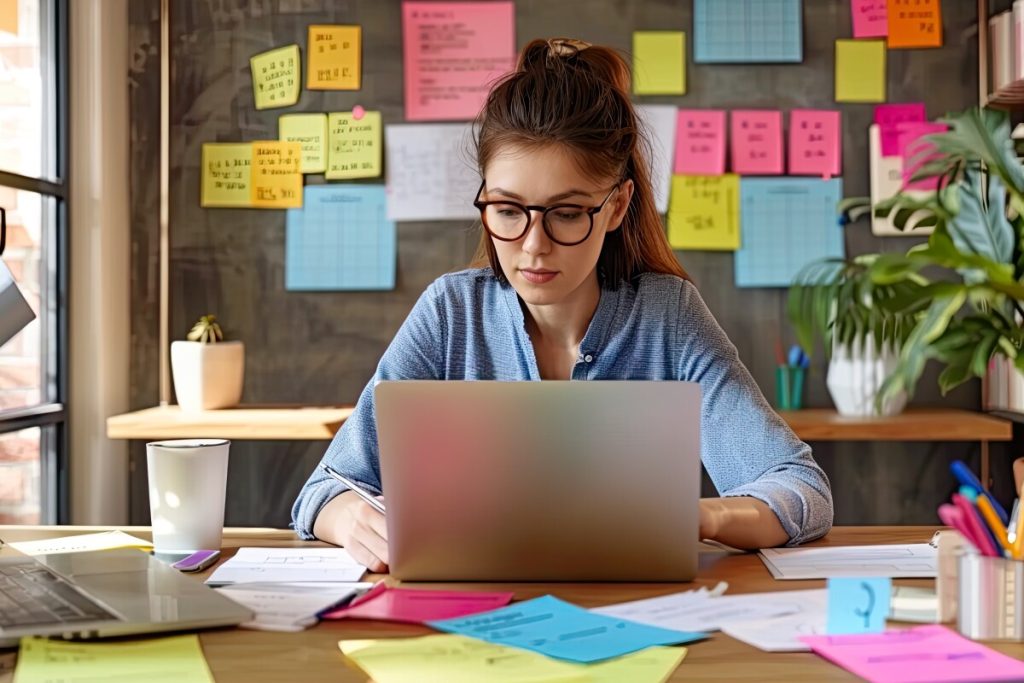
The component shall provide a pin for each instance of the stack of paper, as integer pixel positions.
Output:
(913, 561)
(288, 565)
(105, 540)
(289, 607)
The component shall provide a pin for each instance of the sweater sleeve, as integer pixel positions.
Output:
(746, 447)
(416, 352)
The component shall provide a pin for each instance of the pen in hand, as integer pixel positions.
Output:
(356, 489)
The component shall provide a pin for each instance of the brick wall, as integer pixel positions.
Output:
(19, 477)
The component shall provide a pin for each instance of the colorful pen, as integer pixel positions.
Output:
(997, 528)
(1018, 542)
(951, 516)
(966, 477)
(973, 522)
(1011, 528)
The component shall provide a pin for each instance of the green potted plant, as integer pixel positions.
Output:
(208, 371)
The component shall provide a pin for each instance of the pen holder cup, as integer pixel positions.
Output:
(789, 387)
(991, 598)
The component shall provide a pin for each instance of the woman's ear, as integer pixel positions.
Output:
(620, 202)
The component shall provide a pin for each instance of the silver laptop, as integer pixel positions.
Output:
(540, 481)
(103, 593)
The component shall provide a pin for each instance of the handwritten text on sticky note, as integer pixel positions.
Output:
(815, 141)
(889, 116)
(354, 147)
(700, 142)
(915, 23)
(226, 173)
(276, 178)
(756, 142)
(310, 131)
(704, 212)
(870, 18)
(275, 77)
(335, 58)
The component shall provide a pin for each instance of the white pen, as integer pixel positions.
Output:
(355, 488)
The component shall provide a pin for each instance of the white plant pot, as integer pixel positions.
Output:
(856, 373)
(208, 376)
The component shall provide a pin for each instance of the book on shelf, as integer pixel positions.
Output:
(1004, 386)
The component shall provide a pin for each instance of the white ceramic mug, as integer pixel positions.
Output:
(187, 485)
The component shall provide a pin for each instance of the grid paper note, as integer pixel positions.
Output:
(340, 240)
(746, 31)
(786, 224)
(431, 172)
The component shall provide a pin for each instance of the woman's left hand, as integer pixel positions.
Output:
(710, 521)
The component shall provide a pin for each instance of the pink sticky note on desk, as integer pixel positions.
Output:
(914, 151)
(700, 142)
(453, 51)
(924, 654)
(889, 116)
(815, 143)
(870, 18)
(756, 142)
(417, 606)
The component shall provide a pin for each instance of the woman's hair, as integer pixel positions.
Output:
(565, 92)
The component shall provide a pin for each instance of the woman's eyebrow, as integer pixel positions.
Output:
(558, 197)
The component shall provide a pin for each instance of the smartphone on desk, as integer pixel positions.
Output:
(197, 561)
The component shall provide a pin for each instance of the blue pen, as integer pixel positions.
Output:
(795, 354)
(966, 477)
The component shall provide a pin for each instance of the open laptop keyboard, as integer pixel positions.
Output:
(32, 595)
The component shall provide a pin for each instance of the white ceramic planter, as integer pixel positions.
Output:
(856, 373)
(208, 376)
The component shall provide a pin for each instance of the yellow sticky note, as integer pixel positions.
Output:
(276, 178)
(335, 57)
(354, 147)
(659, 62)
(9, 16)
(179, 659)
(860, 71)
(310, 131)
(276, 78)
(703, 212)
(227, 173)
(653, 665)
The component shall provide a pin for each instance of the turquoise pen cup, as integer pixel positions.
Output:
(789, 387)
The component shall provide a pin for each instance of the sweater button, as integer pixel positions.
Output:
(588, 358)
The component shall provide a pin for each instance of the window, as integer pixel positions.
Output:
(33, 190)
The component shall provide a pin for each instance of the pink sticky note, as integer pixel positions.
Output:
(453, 53)
(932, 654)
(914, 151)
(756, 142)
(700, 142)
(888, 116)
(417, 606)
(870, 18)
(815, 143)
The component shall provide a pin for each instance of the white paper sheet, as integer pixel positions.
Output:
(289, 607)
(661, 121)
(781, 634)
(288, 565)
(909, 561)
(431, 172)
(104, 540)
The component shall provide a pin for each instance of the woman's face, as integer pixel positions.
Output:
(541, 270)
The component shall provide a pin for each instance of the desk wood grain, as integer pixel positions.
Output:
(243, 656)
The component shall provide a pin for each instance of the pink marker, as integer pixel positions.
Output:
(974, 523)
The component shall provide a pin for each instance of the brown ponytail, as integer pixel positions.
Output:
(569, 93)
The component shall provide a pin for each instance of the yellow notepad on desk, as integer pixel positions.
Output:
(179, 659)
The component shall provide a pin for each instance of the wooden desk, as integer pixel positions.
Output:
(312, 656)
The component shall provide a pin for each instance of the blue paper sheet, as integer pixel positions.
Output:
(858, 605)
(786, 223)
(558, 629)
(340, 239)
(747, 31)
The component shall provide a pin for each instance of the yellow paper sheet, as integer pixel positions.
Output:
(703, 212)
(227, 174)
(275, 77)
(860, 71)
(458, 659)
(9, 16)
(354, 147)
(310, 131)
(104, 540)
(335, 58)
(179, 659)
(659, 62)
(276, 178)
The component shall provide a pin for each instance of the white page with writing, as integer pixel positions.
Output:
(906, 561)
(781, 634)
(288, 565)
(288, 607)
(431, 172)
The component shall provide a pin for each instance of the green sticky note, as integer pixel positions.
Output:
(354, 146)
(178, 658)
(860, 71)
(310, 131)
(275, 77)
(227, 174)
(659, 62)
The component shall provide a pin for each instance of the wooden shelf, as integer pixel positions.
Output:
(1008, 97)
(924, 424)
(290, 423)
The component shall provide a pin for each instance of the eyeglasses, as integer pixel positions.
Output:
(565, 224)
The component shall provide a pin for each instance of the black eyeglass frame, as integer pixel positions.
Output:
(528, 210)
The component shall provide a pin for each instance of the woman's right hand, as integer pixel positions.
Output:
(349, 521)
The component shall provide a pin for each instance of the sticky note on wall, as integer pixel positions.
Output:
(889, 116)
(917, 151)
(275, 77)
(276, 178)
(354, 146)
(756, 142)
(870, 18)
(704, 212)
(226, 174)
(659, 62)
(9, 16)
(335, 57)
(860, 71)
(700, 142)
(815, 143)
(915, 23)
(310, 131)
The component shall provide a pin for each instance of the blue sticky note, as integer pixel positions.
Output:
(341, 239)
(558, 629)
(747, 31)
(858, 605)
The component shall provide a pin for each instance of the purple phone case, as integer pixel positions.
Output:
(197, 560)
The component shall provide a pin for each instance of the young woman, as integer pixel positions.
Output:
(575, 279)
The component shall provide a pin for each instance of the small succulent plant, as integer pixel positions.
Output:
(206, 330)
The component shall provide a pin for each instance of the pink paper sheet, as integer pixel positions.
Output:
(889, 116)
(756, 142)
(914, 152)
(700, 142)
(417, 606)
(870, 18)
(815, 143)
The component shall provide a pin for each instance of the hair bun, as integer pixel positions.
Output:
(543, 54)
